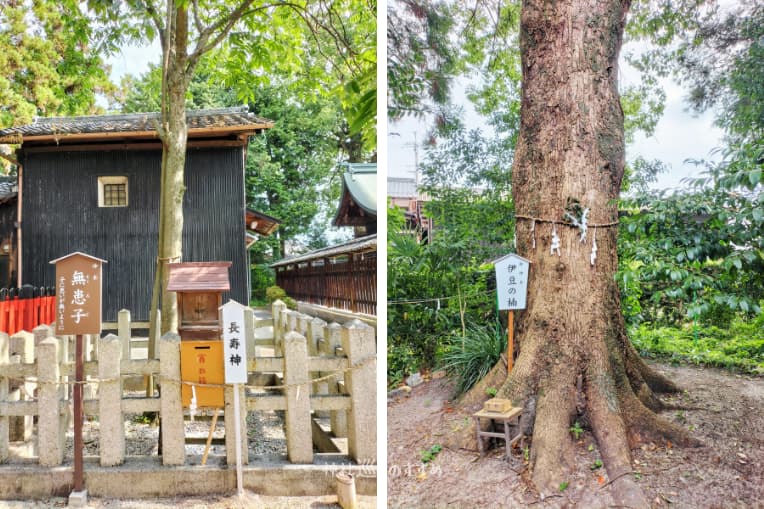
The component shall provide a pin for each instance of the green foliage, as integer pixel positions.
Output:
(491, 391)
(290, 303)
(468, 359)
(577, 430)
(740, 347)
(564, 485)
(430, 454)
(262, 278)
(597, 464)
(274, 293)
(47, 67)
(402, 361)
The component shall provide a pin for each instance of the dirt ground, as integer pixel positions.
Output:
(725, 411)
(247, 501)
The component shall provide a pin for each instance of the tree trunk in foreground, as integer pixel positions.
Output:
(575, 361)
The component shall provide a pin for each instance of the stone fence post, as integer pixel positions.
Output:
(112, 428)
(22, 349)
(5, 344)
(171, 409)
(360, 347)
(277, 311)
(124, 332)
(298, 426)
(332, 340)
(50, 432)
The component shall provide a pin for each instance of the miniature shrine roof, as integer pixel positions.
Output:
(199, 277)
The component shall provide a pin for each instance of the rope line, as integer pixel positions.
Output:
(434, 299)
(333, 374)
(565, 223)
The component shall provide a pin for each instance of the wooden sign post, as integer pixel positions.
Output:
(512, 290)
(78, 312)
(235, 361)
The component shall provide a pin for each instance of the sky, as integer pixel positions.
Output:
(679, 135)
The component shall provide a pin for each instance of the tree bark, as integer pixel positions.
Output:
(575, 361)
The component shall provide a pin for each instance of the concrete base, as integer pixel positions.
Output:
(147, 478)
(78, 498)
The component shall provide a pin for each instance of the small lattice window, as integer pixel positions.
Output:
(112, 191)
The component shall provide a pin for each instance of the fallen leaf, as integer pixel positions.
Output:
(421, 476)
(742, 456)
(668, 444)
(601, 480)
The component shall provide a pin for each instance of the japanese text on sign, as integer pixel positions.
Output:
(78, 284)
(512, 281)
(234, 344)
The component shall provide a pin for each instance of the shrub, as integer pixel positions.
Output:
(469, 359)
(274, 293)
(290, 303)
(263, 277)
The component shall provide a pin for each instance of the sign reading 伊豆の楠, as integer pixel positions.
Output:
(512, 281)
(78, 294)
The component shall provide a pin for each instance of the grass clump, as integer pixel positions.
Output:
(468, 359)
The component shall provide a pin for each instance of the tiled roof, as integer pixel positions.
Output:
(222, 118)
(368, 243)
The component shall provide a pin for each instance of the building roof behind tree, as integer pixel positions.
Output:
(221, 121)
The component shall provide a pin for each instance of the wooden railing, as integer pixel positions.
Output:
(345, 282)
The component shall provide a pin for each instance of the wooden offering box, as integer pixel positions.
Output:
(200, 287)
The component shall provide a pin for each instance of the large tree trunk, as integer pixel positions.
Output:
(575, 361)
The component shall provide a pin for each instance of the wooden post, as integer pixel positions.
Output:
(112, 428)
(361, 384)
(79, 377)
(511, 340)
(298, 431)
(231, 413)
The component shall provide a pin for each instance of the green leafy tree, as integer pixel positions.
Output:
(47, 66)
(267, 35)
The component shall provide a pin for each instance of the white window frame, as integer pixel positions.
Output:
(112, 179)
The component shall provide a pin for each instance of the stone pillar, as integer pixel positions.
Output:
(315, 332)
(124, 332)
(249, 332)
(298, 425)
(230, 430)
(171, 409)
(112, 428)
(332, 340)
(41, 333)
(5, 344)
(277, 310)
(302, 326)
(292, 317)
(50, 432)
(360, 347)
(22, 349)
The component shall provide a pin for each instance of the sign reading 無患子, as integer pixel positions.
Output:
(234, 343)
(512, 281)
(78, 294)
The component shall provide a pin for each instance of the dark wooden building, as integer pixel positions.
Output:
(358, 201)
(91, 184)
(8, 253)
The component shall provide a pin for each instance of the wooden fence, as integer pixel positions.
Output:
(343, 282)
(25, 308)
(326, 368)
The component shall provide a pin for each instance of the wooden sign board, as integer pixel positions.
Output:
(234, 343)
(512, 281)
(78, 294)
